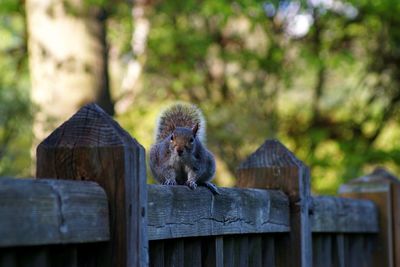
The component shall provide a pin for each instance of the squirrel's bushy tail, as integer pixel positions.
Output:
(180, 115)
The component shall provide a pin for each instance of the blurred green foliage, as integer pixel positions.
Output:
(15, 107)
(330, 95)
(323, 78)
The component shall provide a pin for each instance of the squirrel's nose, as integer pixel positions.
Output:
(179, 151)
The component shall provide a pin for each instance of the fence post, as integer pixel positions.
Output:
(273, 166)
(92, 146)
(383, 188)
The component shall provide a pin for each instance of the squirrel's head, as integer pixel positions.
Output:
(182, 140)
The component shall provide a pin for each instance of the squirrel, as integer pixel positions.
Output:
(179, 155)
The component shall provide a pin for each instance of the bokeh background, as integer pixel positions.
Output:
(322, 76)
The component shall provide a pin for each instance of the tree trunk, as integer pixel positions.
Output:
(141, 23)
(68, 60)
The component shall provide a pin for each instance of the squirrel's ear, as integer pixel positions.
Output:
(195, 129)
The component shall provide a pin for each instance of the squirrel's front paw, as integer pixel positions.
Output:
(169, 182)
(191, 184)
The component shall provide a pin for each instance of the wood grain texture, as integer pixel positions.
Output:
(156, 253)
(40, 256)
(273, 166)
(213, 251)
(350, 249)
(174, 253)
(92, 146)
(268, 251)
(35, 212)
(255, 250)
(176, 211)
(241, 248)
(339, 251)
(192, 251)
(322, 250)
(378, 187)
(395, 192)
(344, 215)
(229, 251)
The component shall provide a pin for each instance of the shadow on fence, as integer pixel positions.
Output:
(109, 216)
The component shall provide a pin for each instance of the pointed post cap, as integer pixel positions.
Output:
(90, 126)
(273, 166)
(271, 154)
(379, 179)
(92, 146)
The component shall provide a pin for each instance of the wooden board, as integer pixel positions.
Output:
(92, 146)
(174, 252)
(273, 166)
(40, 256)
(380, 187)
(255, 250)
(35, 212)
(322, 250)
(177, 211)
(192, 251)
(213, 251)
(395, 192)
(344, 215)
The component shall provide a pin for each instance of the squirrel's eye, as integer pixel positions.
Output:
(172, 137)
(191, 140)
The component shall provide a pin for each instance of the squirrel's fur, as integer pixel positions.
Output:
(179, 155)
(180, 115)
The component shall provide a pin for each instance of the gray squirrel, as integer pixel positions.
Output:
(179, 155)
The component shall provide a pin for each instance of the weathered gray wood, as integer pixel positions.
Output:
(322, 250)
(213, 251)
(35, 212)
(339, 253)
(395, 190)
(192, 251)
(156, 253)
(241, 248)
(344, 215)
(358, 251)
(380, 186)
(229, 251)
(273, 166)
(268, 251)
(347, 255)
(255, 251)
(176, 211)
(174, 252)
(92, 146)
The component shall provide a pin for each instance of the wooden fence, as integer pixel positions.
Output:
(108, 216)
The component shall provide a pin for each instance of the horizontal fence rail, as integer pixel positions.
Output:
(344, 215)
(65, 207)
(177, 211)
(247, 227)
(37, 212)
